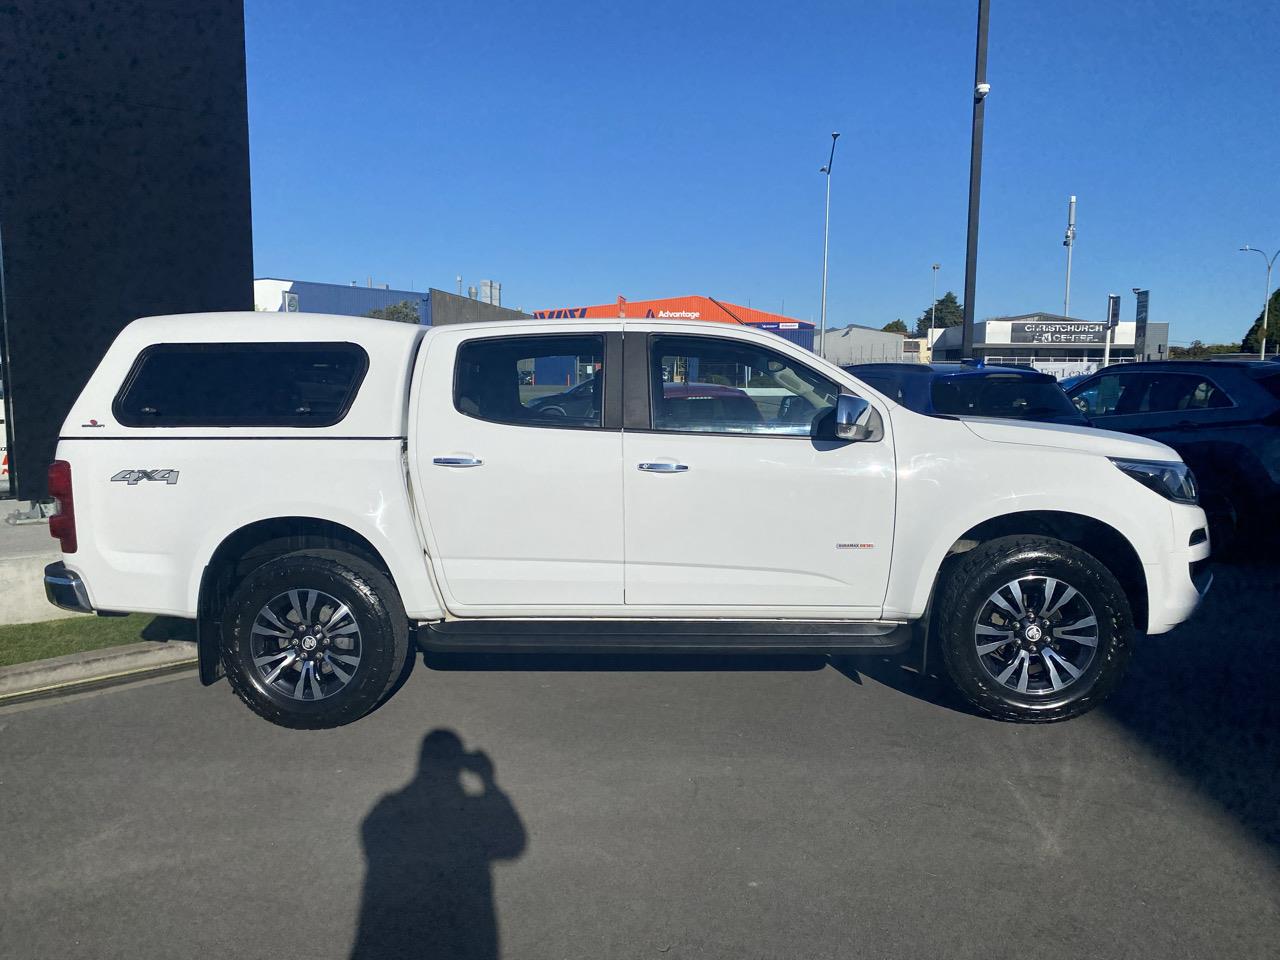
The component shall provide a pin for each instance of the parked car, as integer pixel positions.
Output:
(320, 492)
(578, 402)
(684, 401)
(1223, 418)
(972, 390)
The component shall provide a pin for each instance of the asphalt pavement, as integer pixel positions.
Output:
(661, 808)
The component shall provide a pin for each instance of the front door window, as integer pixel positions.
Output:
(705, 385)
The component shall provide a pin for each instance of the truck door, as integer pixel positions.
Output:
(516, 447)
(731, 505)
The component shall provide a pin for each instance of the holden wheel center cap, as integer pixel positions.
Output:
(309, 643)
(1033, 634)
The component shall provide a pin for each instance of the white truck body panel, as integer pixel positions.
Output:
(854, 532)
(537, 527)
(776, 526)
(150, 542)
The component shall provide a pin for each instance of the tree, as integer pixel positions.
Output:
(896, 326)
(406, 311)
(1198, 349)
(950, 313)
(1251, 343)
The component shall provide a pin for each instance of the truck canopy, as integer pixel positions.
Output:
(254, 374)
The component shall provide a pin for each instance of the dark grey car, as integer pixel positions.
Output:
(1222, 416)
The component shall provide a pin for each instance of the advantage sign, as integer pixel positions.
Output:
(1036, 331)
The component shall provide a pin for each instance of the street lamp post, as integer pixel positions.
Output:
(1069, 242)
(1266, 300)
(826, 233)
(980, 90)
(933, 304)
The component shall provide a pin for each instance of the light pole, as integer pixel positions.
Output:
(1266, 301)
(826, 233)
(933, 304)
(1069, 242)
(980, 90)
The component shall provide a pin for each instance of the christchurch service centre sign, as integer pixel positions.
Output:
(1057, 331)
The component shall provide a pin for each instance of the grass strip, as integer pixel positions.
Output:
(24, 642)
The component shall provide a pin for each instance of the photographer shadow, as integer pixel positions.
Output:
(428, 889)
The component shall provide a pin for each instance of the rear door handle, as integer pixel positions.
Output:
(662, 466)
(457, 461)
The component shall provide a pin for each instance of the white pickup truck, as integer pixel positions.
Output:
(319, 492)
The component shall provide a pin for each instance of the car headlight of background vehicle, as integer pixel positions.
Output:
(1171, 479)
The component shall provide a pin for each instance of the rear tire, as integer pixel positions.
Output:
(1033, 629)
(314, 639)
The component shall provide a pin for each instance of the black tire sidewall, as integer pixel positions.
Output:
(375, 608)
(995, 564)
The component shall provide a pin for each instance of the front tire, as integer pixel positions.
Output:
(314, 639)
(1033, 629)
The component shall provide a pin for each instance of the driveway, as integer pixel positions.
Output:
(661, 808)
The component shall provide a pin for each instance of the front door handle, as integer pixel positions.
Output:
(662, 466)
(457, 461)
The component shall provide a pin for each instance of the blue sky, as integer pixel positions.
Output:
(577, 151)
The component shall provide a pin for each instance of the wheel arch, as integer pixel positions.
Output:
(1102, 541)
(249, 547)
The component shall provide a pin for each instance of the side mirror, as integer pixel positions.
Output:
(852, 416)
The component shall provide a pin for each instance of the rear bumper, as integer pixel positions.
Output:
(65, 589)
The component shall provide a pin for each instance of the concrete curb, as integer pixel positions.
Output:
(76, 672)
(22, 587)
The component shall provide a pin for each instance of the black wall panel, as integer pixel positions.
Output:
(124, 189)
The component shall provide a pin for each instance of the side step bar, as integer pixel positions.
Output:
(663, 636)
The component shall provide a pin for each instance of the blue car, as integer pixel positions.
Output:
(972, 390)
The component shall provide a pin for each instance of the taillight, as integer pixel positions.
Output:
(62, 525)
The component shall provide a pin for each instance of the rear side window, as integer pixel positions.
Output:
(241, 385)
(1164, 392)
(548, 381)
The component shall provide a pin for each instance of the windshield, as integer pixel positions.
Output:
(1015, 398)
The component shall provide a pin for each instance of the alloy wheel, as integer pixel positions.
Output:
(1036, 635)
(305, 644)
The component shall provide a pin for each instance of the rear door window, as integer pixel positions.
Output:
(1004, 396)
(547, 381)
(241, 385)
(1173, 392)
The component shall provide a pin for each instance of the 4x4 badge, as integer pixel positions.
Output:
(131, 477)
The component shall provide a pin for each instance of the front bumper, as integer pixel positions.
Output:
(1176, 586)
(65, 589)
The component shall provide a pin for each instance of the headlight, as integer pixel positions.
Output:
(1171, 479)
